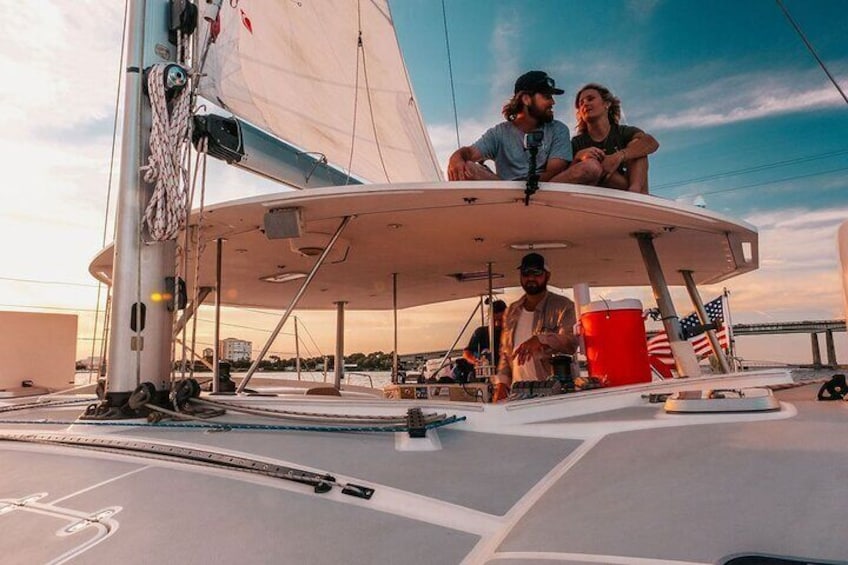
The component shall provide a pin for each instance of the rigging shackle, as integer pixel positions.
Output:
(174, 79)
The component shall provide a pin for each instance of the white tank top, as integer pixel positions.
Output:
(523, 332)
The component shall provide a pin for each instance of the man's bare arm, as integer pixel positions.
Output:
(554, 167)
(456, 163)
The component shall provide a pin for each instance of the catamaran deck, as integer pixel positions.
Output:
(616, 485)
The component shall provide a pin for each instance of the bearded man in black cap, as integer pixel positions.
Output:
(535, 326)
(530, 109)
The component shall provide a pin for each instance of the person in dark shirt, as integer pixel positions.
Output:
(622, 150)
(478, 347)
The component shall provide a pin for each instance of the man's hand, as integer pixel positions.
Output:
(456, 167)
(611, 163)
(528, 350)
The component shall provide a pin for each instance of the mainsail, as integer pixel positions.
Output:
(342, 92)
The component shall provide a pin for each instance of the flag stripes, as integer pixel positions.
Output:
(659, 347)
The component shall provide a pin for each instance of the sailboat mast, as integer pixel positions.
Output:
(140, 328)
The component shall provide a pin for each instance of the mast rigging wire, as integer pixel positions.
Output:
(747, 170)
(450, 75)
(109, 199)
(811, 49)
(360, 50)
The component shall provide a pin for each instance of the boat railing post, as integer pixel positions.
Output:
(684, 355)
(695, 296)
(296, 349)
(338, 365)
(293, 304)
(216, 356)
(582, 297)
(493, 361)
(395, 329)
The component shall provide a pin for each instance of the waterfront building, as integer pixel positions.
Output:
(233, 349)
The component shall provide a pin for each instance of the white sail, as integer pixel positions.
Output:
(319, 90)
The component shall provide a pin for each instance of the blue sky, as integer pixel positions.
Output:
(744, 115)
(726, 87)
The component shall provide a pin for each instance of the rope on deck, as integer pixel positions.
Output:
(222, 426)
(294, 415)
(788, 386)
(51, 404)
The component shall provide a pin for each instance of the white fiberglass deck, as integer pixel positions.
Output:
(623, 483)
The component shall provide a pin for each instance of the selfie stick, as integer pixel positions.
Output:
(532, 141)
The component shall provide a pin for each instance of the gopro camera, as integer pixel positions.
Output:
(533, 139)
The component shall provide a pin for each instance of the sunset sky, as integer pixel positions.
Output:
(747, 121)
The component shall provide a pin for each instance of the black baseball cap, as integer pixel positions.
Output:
(533, 264)
(537, 81)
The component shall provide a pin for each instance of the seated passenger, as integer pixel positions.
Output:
(478, 351)
(621, 150)
(530, 109)
(463, 371)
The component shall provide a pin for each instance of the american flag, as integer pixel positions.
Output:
(658, 345)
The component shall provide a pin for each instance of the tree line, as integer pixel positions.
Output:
(375, 361)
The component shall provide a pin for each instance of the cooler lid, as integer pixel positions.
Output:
(608, 305)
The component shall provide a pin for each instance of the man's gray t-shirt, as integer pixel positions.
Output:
(504, 144)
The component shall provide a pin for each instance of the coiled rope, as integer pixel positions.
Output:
(166, 210)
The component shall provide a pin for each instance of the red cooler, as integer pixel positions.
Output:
(616, 345)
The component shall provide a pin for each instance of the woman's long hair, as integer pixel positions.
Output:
(614, 111)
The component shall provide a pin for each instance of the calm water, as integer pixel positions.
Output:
(379, 379)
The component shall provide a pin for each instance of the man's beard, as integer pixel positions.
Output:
(532, 288)
(541, 116)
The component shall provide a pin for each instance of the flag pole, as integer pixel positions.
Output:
(731, 339)
(689, 280)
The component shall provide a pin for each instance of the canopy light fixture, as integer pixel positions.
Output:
(475, 276)
(283, 223)
(536, 245)
(283, 277)
(310, 251)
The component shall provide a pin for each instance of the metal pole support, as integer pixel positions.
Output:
(684, 355)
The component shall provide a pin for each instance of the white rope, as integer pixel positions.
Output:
(166, 210)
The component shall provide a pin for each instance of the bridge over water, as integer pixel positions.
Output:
(812, 327)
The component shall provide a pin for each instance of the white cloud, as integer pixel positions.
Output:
(505, 45)
(443, 137)
(642, 9)
(747, 97)
(799, 276)
(65, 65)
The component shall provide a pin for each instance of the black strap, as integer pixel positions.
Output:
(836, 388)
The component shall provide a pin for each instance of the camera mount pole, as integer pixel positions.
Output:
(532, 175)
(532, 142)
